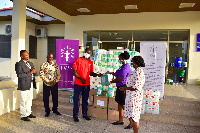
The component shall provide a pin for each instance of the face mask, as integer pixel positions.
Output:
(86, 55)
(120, 61)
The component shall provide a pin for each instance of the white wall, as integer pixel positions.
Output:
(142, 21)
(4, 67)
(52, 30)
(10, 97)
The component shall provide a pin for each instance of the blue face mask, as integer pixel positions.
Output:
(119, 61)
(122, 60)
(86, 55)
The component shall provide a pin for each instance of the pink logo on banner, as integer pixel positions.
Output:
(66, 53)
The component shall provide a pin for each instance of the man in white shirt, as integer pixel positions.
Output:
(25, 70)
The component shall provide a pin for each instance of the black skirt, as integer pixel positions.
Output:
(120, 96)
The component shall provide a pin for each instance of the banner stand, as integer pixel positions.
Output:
(154, 55)
(67, 51)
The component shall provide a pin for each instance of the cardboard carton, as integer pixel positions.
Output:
(100, 113)
(101, 101)
(90, 100)
(112, 104)
(113, 115)
(92, 92)
(104, 93)
(89, 112)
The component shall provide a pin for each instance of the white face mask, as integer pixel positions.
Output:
(86, 55)
(125, 61)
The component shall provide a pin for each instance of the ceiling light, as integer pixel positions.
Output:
(119, 38)
(83, 10)
(99, 41)
(112, 33)
(185, 5)
(109, 33)
(127, 7)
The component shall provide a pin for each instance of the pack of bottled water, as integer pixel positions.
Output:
(150, 103)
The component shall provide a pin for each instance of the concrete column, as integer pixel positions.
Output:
(18, 33)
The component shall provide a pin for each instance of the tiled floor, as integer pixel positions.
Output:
(179, 113)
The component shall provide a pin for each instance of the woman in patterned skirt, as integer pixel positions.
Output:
(134, 93)
(120, 80)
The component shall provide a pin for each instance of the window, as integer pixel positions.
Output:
(52, 45)
(116, 35)
(32, 47)
(5, 46)
(178, 36)
(91, 35)
(158, 35)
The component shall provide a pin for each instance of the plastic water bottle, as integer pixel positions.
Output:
(149, 99)
(155, 109)
(156, 93)
(144, 97)
(148, 104)
(155, 100)
(143, 109)
(149, 92)
(148, 108)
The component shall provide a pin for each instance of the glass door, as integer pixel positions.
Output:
(177, 50)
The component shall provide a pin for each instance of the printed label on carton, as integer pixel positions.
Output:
(100, 103)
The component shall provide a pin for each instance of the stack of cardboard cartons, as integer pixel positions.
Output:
(113, 113)
(101, 107)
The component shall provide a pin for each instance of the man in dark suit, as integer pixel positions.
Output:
(25, 70)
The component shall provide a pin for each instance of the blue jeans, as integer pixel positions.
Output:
(78, 91)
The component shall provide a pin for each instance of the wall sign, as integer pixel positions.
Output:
(198, 42)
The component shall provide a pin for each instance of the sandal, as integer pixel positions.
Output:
(128, 127)
(116, 123)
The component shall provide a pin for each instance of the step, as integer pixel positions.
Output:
(179, 110)
(180, 103)
(171, 119)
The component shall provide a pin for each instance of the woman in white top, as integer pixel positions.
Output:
(134, 93)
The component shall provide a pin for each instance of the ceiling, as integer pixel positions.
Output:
(111, 7)
(32, 20)
(117, 6)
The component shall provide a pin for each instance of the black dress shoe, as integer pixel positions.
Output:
(116, 123)
(86, 117)
(47, 114)
(76, 119)
(57, 113)
(128, 127)
(31, 116)
(25, 119)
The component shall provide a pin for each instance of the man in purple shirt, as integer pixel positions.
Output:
(121, 75)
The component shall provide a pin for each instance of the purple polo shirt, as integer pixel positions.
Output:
(124, 71)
